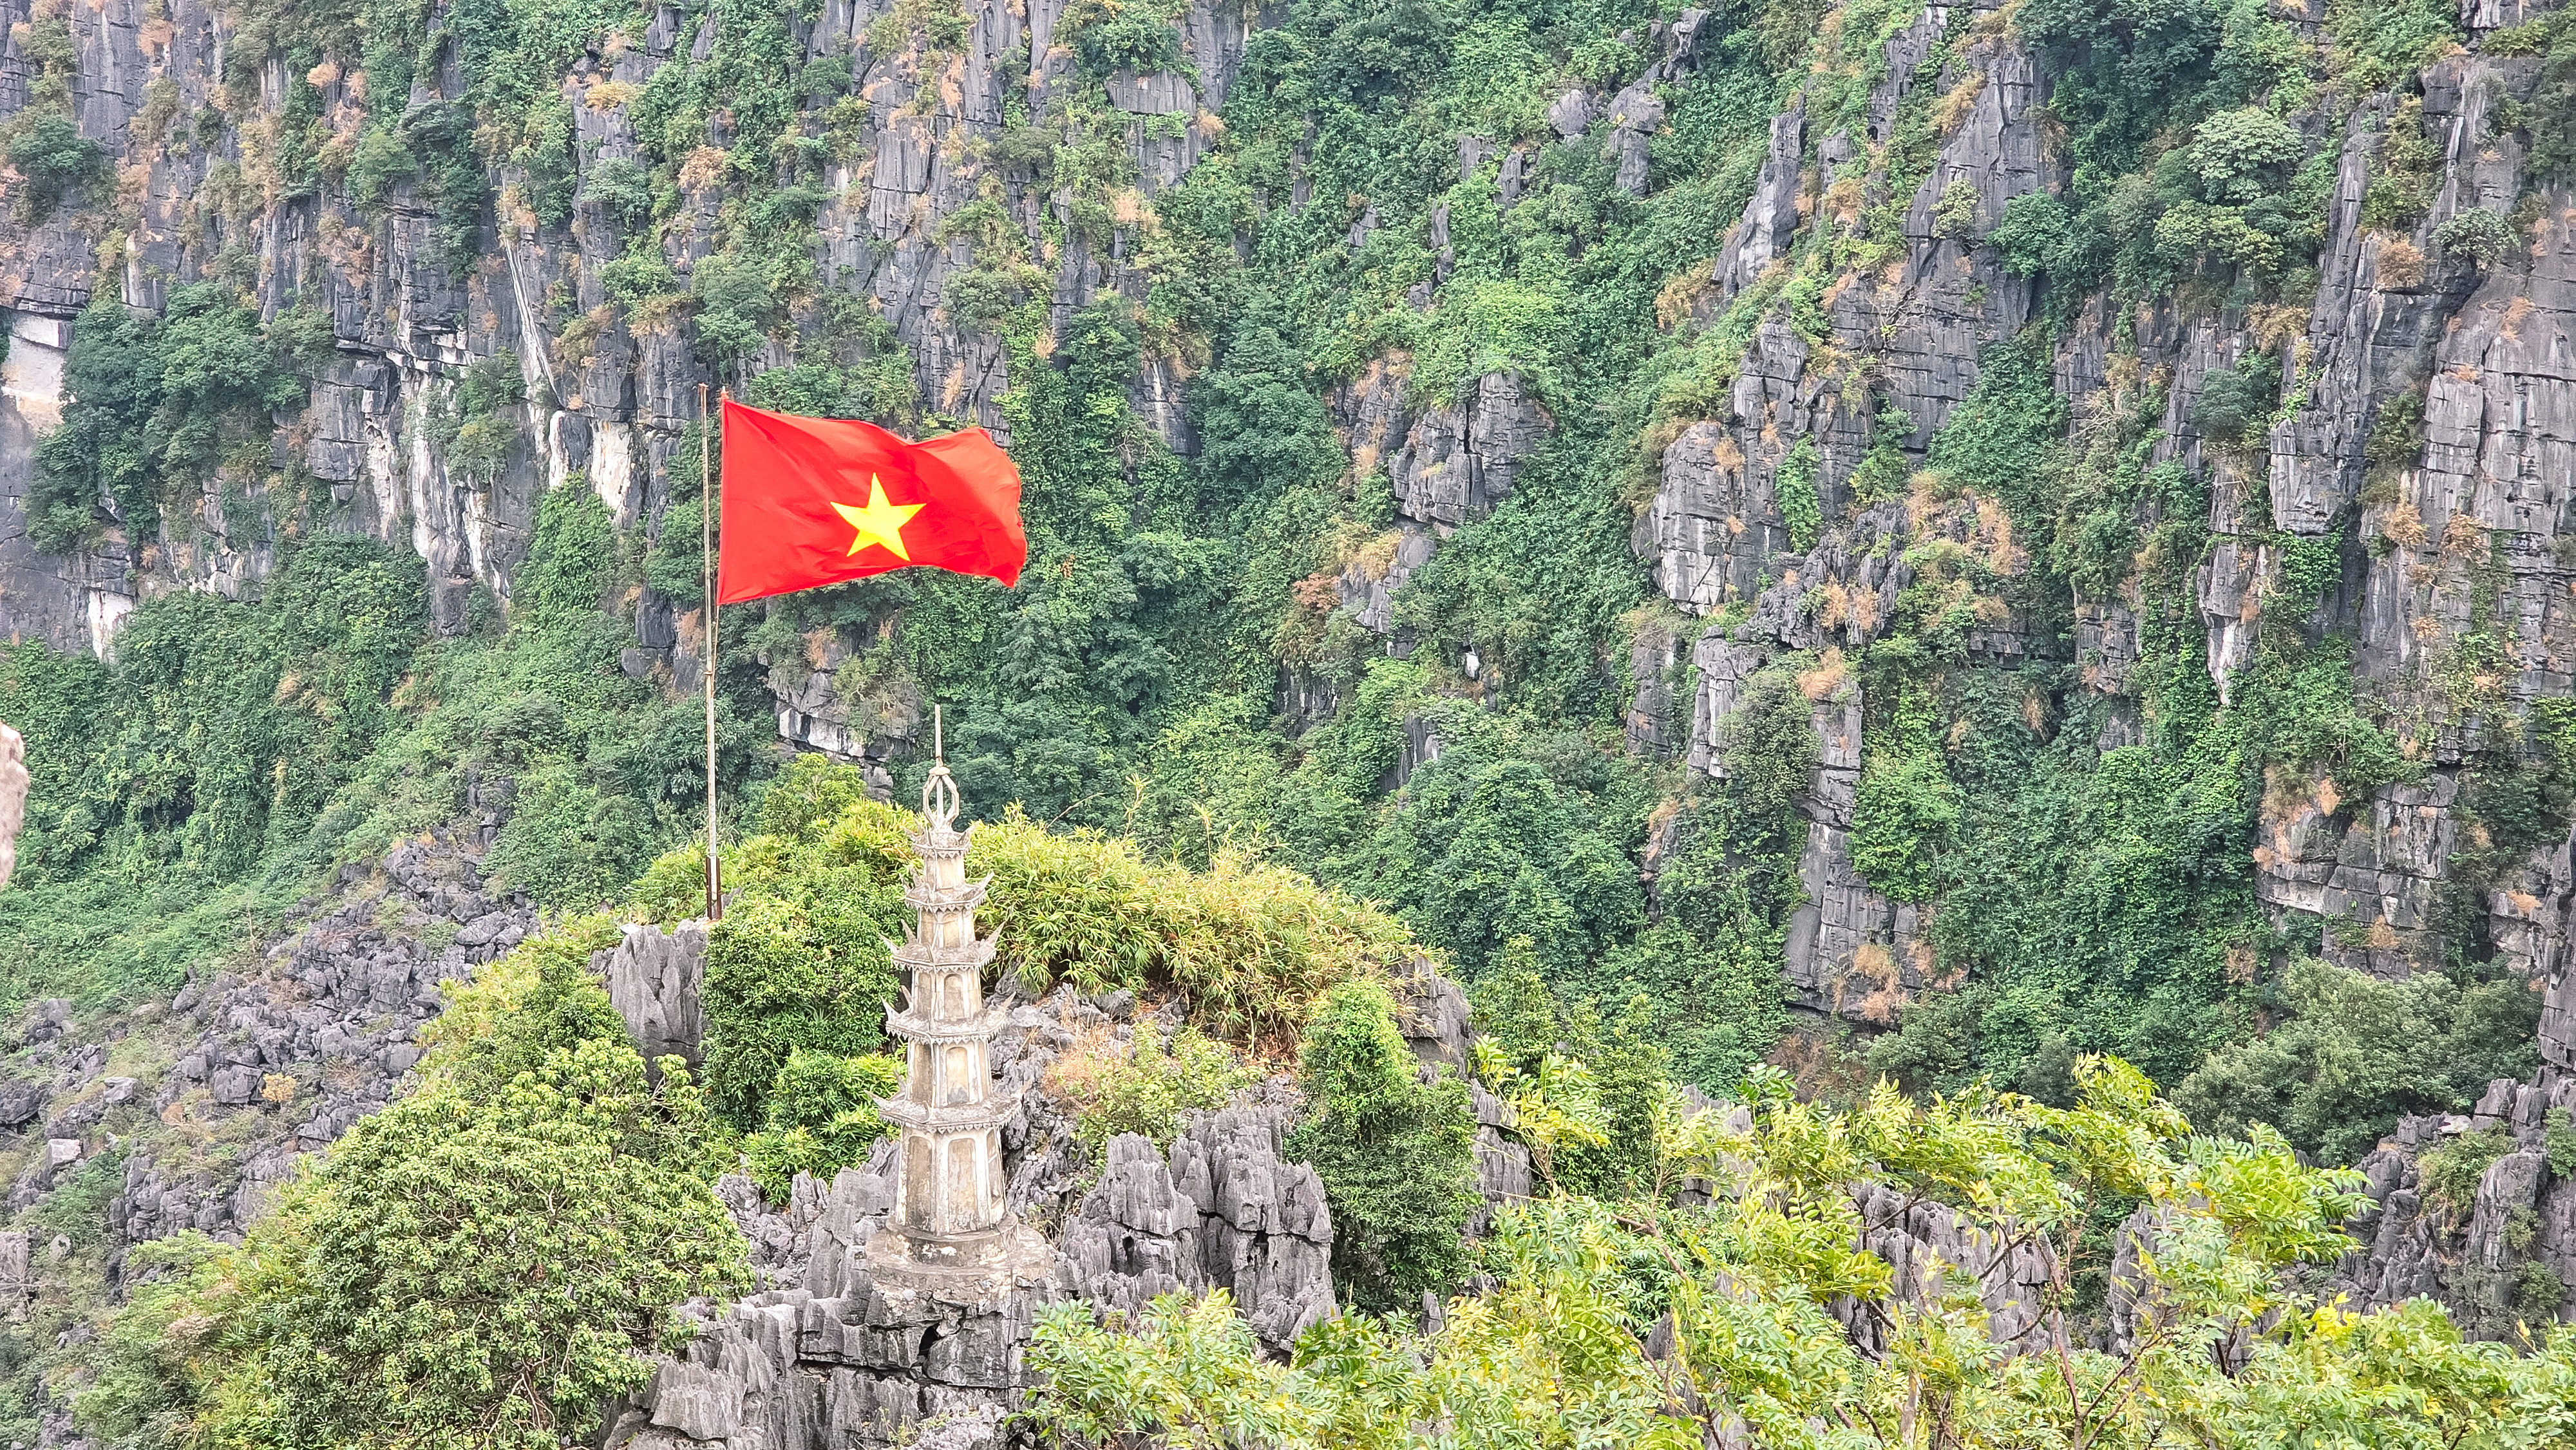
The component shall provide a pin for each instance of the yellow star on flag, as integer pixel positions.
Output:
(880, 522)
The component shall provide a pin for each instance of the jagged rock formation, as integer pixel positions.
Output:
(2508, 1254)
(836, 1350)
(186, 1115)
(1227, 1210)
(2485, 345)
(1932, 1252)
(654, 978)
(607, 392)
(833, 1354)
(317, 1039)
(1449, 463)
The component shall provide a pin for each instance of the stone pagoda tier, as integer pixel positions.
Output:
(949, 1207)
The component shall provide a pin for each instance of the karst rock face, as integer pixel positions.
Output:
(2490, 349)
(608, 393)
(2469, 534)
(2473, 522)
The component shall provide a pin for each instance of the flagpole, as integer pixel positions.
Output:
(707, 573)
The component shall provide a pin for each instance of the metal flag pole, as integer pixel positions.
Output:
(707, 571)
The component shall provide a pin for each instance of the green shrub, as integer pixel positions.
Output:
(502, 1249)
(2309, 568)
(1149, 1088)
(1800, 506)
(821, 1118)
(1954, 215)
(1511, 1008)
(2032, 234)
(1904, 818)
(1485, 844)
(2477, 232)
(2238, 402)
(1137, 36)
(792, 976)
(1396, 1154)
(2359, 1052)
(2397, 431)
(56, 160)
(155, 404)
(2537, 1292)
(2242, 154)
(2558, 1140)
(2451, 1172)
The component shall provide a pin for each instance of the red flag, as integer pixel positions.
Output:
(811, 501)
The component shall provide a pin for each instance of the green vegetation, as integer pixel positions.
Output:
(237, 750)
(821, 1118)
(482, 1263)
(1149, 1087)
(2069, 831)
(1396, 1153)
(163, 403)
(1636, 1322)
(56, 160)
(2358, 1052)
(2451, 1172)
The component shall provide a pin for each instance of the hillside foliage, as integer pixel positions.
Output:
(1201, 779)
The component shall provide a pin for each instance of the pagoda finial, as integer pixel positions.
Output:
(939, 802)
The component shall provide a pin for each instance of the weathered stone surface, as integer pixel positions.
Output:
(334, 1006)
(1925, 1243)
(1225, 1211)
(2487, 346)
(607, 395)
(2468, 1256)
(1448, 463)
(653, 978)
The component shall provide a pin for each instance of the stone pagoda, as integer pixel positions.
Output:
(949, 1210)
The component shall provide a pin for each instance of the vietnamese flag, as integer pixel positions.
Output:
(810, 501)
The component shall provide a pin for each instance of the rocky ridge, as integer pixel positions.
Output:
(2487, 345)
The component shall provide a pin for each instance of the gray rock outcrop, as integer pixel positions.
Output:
(606, 389)
(1225, 1210)
(2463, 536)
(316, 1038)
(1933, 1253)
(834, 1355)
(836, 1351)
(653, 978)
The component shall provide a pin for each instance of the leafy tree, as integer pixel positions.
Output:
(155, 402)
(1396, 1154)
(2233, 401)
(2477, 232)
(822, 1118)
(472, 1266)
(1265, 430)
(1509, 833)
(783, 981)
(2242, 153)
(2358, 1052)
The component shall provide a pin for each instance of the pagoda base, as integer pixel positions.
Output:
(1011, 1254)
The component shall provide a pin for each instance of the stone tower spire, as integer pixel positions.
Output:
(948, 1194)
